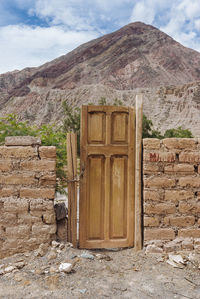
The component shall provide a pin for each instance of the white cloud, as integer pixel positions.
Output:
(23, 46)
(178, 18)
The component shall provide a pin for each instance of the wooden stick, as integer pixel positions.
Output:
(138, 173)
(72, 187)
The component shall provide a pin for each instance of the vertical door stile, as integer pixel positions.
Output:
(107, 179)
(83, 177)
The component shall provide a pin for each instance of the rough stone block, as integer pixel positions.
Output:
(41, 205)
(6, 192)
(151, 143)
(18, 152)
(180, 143)
(151, 221)
(189, 233)
(22, 140)
(18, 231)
(178, 195)
(47, 193)
(13, 205)
(191, 208)
(160, 209)
(189, 157)
(159, 182)
(182, 221)
(191, 182)
(179, 168)
(18, 179)
(49, 218)
(159, 234)
(47, 180)
(5, 165)
(188, 244)
(153, 195)
(159, 156)
(47, 152)
(150, 168)
(39, 165)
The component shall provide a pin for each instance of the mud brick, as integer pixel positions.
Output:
(160, 209)
(159, 234)
(182, 221)
(189, 233)
(188, 244)
(37, 193)
(151, 167)
(22, 140)
(47, 180)
(159, 182)
(19, 205)
(41, 205)
(180, 143)
(18, 179)
(152, 156)
(49, 218)
(199, 169)
(5, 165)
(153, 195)
(47, 152)
(178, 195)
(43, 229)
(189, 208)
(179, 168)
(189, 157)
(151, 143)
(151, 221)
(39, 165)
(18, 152)
(6, 192)
(193, 182)
(18, 231)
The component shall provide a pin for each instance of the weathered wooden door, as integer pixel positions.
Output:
(107, 182)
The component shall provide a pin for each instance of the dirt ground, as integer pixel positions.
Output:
(98, 274)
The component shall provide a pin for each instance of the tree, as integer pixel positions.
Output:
(147, 131)
(178, 133)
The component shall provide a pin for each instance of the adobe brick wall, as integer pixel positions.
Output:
(27, 188)
(171, 193)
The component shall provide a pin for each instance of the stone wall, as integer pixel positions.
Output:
(171, 194)
(27, 188)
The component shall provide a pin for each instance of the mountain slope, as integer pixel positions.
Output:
(137, 57)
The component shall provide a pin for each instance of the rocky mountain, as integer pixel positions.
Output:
(136, 58)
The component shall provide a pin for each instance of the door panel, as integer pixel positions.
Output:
(107, 186)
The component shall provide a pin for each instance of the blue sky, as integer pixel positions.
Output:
(33, 32)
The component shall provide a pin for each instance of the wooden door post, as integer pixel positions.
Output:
(72, 187)
(138, 173)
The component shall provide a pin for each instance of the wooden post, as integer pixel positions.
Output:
(72, 187)
(138, 174)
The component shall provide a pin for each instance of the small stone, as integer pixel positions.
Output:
(39, 271)
(19, 265)
(55, 244)
(103, 257)
(62, 246)
(42, 250)
(53, 270)
(73, 256)
(19, 277)
(65, 267)
(9, 269)
(83, 291)
(52, 255)
(1, 272)
(153, 249)
(86, 255)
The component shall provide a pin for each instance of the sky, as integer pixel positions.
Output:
(33, 32)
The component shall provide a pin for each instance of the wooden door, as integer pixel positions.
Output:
(107, 185)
